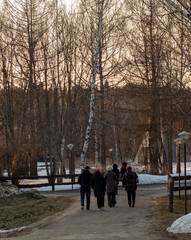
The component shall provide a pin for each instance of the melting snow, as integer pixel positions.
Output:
(181, 225)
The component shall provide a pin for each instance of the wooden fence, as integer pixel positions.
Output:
(172, 180)
(51, 181)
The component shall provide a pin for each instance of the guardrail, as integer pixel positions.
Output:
(51, 180)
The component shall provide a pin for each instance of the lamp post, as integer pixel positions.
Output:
(178, 142)
(111, 151)
(185, 136)
(71, 164)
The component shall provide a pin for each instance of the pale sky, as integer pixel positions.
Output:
(68, 2)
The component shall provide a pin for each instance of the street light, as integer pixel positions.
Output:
(71, 165)
(185, 136)
(111, 150)
(70, 146)
(178, 142)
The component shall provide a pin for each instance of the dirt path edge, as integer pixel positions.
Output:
(40, 224)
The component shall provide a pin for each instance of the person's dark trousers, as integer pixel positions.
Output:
(111, 199)
(131, 196)
(87, 193)
(100, 202)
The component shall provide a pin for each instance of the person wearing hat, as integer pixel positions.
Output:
(123, 168)
(111, 183)
(130, 180)
(85, 187)
(98, 184)
(116, 171)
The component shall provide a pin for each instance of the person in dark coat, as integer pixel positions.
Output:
(115, 170)
(111, 183)
(130, 180)
(123, 168)
(98, 184)
(85, 187)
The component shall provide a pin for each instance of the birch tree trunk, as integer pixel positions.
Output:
(92, 98)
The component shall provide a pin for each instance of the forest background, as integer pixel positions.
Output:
(48, 60)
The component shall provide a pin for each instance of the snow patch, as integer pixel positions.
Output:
(150, 179)
(8, 190)
(181, 225)
(11, 230)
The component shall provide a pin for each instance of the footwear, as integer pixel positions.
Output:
(99, 209)
(133, 205)
(82, 207)
(102, 208)
(129, 205)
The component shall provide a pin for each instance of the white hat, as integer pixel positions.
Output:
(109, 168)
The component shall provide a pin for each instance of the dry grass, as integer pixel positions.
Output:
(163, 218)
(22, 210)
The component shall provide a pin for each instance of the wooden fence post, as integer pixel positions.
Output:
(53, 181)
(170, 193)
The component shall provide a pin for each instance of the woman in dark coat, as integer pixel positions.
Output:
(98, 184)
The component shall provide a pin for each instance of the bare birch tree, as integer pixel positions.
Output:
(92, 98)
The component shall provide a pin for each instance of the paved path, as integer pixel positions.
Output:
(119, 223)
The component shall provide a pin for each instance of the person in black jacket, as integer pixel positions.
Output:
(98, 184)
(130, 180)
(123, 168)
(116, 170)
(85, 187)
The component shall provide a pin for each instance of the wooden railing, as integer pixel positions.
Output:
(51, 181)
(172, 188)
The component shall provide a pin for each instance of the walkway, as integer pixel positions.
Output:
(119, 223)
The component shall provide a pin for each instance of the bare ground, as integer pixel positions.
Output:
(163, 218)
(22, 210)
(148, 220)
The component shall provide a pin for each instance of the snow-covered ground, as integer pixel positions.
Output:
(143, 178)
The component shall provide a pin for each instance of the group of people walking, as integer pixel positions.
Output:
(107, 183)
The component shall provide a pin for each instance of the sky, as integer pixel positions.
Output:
(67, 2)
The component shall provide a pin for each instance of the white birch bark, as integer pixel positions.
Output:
(92, 98)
